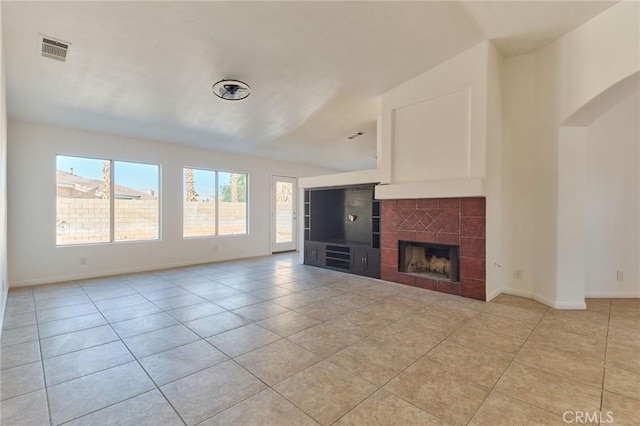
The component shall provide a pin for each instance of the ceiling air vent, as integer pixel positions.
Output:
(54, 49)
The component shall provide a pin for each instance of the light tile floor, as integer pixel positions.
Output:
(270, 342)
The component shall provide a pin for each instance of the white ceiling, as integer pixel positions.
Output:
(317, 69)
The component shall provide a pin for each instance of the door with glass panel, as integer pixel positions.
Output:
(283, 213)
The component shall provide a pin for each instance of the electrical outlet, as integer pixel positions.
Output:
(83, 260)
(620, 276)
(517, 274)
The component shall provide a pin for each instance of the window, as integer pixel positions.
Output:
(199, 211)
(232, 188)
(83, 208)
(215, 203)
(136, 211)
(102, 201)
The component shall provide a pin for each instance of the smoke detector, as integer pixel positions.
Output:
(54, 49)
(231, 90)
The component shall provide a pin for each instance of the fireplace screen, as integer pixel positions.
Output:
(439, 261)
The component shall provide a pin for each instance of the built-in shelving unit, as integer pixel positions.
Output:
(375, 224)
(342, 229)
(338, 256)
(307, 215)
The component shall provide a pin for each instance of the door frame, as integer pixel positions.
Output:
(293, 245)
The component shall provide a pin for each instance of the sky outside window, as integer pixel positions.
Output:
(132, 173)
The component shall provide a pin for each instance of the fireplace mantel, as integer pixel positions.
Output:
(446, 188)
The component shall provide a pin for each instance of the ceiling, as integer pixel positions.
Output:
(316, 69)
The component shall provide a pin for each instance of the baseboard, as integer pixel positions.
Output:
(570, 305)
(497, 292)
(542, 299)
(3, 307)
(122, 271)
(613, 294)
(565, 305)
(529, 294)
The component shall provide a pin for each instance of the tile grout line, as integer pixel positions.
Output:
(107, 406)
(77, 350)
(324, 283)
(25, 393)
(26, 341)
(528, 366)
(249, 372)
(381, 387)
(201, 338)
(455, 374)
(143, 369)
(44, 376)
(493, 388)
(268, 387)
(287, 339)
(604, 364)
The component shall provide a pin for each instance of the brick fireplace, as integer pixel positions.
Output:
(452, 221)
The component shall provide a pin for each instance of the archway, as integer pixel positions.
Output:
(572, 239)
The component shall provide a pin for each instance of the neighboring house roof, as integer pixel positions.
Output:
(92, 188)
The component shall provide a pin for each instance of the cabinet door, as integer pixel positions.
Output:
(365, 261)
(358, 260)
(310, 253)
(314, 253)
(372, 263)
(321, 254)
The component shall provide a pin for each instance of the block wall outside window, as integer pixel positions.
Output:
(215, 203)
(232, 188)
(92, 200)
(137, 212)
(199, 210)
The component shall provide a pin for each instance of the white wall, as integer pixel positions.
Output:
(582, 68)
(495, 200)
(613, 204)
(432, 138)
(3, 185)
(541, 91)
(33, 255)
(434, 130)
(595, 56)
(571, 227)
(519, 132)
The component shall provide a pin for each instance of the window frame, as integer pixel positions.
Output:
(217, 203)
(112, 239)
(113, 201)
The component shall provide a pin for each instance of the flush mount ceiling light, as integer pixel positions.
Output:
(231, 90)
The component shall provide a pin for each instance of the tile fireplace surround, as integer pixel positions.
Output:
(455, 221)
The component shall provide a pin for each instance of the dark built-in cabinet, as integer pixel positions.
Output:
(365, 261)
(314, 253)
(342, 229)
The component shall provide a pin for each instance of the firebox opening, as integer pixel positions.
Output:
(438, 261)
